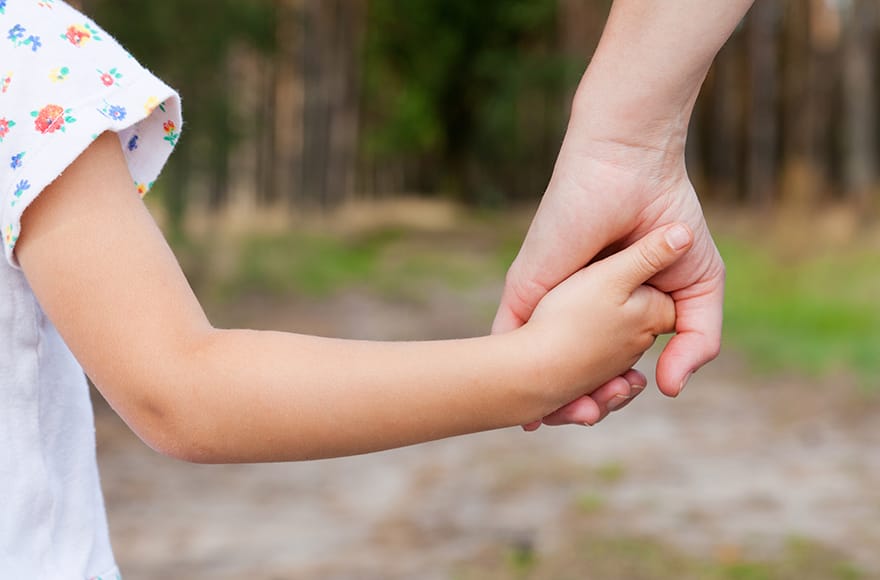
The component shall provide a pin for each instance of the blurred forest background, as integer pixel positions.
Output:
(368, 168)
(312, 102)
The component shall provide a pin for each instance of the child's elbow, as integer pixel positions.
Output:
(176, 439)
(170, 423)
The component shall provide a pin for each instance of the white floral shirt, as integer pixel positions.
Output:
(63, 82)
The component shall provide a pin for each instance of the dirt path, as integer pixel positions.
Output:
(731, 467)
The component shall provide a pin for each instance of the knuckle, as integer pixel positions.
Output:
(524, 292)
(650, 258)
(712, 350)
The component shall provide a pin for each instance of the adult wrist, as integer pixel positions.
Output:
(603, 111)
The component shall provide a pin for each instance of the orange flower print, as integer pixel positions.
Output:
(79, 34)
(52, 118)
(5, 82)
(171, 133)
(5, 126)
(142, 188)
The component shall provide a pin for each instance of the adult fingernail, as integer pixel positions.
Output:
(684, 382)
(616, 402)
(585, 424)
(678, 237)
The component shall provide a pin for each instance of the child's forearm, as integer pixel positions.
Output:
(242, 395)
(106, 278)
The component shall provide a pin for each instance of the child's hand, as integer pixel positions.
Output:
(598, 323)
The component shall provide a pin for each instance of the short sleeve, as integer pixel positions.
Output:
(64, 82)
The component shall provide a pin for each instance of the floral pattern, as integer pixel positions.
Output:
(47, 51)
(59, 74)
(19, 37)
(80, 34)
(113, 112)
(171, 133)
(5, 126)
(52, 118)
(111, 77)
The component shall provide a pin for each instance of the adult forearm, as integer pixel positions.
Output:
(251, 396)
(649, 66)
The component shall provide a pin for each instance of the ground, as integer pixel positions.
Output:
(732, 471)
(745, 476)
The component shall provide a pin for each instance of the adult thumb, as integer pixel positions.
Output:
(652, 254)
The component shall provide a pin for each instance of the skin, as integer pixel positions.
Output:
(621, 173)
(105, 276)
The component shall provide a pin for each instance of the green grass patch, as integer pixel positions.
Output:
(593, 555)
(815, 315)
(311, 265)
(392, 263)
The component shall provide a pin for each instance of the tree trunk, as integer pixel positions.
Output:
(761, 148)
(333, 35)
(798, 155)
(859, 110)
(725, 116)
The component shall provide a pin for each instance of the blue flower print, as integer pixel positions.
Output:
(17, 160)
(117, 113)
(2, 6)
(20, 188)
(113, 112)
(16, 33)
(133, 143)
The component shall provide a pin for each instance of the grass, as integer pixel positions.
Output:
(588, 554)
(815, 315)
(392, 263)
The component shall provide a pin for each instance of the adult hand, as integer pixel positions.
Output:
(621, 173)
(605, 195)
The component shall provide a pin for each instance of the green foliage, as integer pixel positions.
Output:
(187, 43)
(814, 315)
(449, 83)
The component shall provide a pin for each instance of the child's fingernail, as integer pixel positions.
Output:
(678, 237)
(616, 402)
(684, 382)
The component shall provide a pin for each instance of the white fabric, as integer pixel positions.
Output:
(63, 82)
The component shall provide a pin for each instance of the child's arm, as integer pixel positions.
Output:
(105, 276)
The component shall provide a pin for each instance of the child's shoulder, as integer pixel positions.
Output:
(63, 82)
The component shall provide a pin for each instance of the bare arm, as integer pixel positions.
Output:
(643, 80)
(105, 276)
(621, 172)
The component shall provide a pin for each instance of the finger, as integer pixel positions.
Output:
(659, 306)
(584, 410)
(558, 244)
(506, 319)
(533, 426)
(637, 382)
(698, 339)
(592, 408)
(650, 255)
